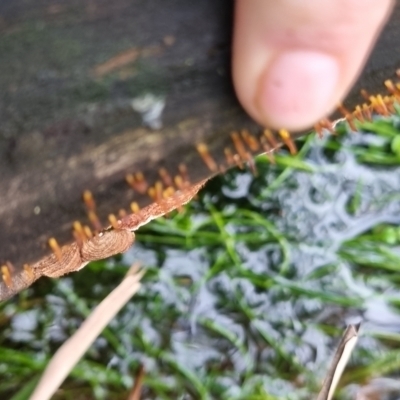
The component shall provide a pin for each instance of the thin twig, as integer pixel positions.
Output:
(136, 390)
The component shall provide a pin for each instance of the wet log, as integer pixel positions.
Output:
(75, 78)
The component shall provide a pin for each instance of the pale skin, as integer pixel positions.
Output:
(295, 60)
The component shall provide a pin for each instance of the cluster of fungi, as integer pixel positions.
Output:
(169, 194)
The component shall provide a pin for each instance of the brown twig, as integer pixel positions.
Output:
(136, 390)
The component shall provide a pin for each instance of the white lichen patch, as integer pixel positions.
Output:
(150, 107)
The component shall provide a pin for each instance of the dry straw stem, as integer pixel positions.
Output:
(342, 355)
(74, 348)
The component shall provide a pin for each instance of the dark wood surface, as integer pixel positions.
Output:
(68, 74)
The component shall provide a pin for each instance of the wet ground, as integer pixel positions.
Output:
(247, 291)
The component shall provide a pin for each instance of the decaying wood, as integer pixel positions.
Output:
(70, 73)
(110, 241)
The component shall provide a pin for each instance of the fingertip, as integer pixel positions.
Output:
(297, 88)
(293, 62)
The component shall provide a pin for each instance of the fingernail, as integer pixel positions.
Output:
(298, 89)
